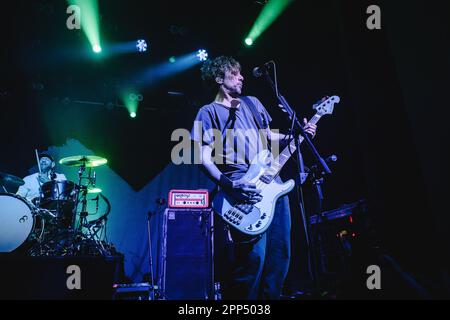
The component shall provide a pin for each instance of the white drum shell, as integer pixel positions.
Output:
(16, 221)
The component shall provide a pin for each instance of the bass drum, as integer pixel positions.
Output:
(17, 221)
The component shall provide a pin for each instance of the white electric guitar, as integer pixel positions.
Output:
(254, 219)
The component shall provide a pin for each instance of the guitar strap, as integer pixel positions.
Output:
(260, 122)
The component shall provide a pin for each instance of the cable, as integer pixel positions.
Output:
(275, 77)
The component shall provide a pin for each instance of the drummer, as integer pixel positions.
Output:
(31, 189)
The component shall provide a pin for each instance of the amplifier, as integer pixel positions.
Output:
(185, 266)
(188, 199)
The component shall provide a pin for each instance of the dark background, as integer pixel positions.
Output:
(389, 131)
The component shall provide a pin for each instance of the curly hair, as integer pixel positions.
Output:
(211, 69)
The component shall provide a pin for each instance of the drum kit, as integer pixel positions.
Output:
(55, 223)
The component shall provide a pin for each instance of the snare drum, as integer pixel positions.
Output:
(17, 221)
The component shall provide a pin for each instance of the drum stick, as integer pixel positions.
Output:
(38, 162)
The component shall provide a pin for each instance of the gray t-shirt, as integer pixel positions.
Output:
(240, 135)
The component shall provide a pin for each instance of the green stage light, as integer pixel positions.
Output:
(172, 59)
(131, 98)
(89, 16)
(271, 11)
(96, 48)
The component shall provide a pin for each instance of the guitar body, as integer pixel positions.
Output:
(247, 218)
(255, 219)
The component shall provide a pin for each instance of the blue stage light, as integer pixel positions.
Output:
(202, 55)
(141, 45)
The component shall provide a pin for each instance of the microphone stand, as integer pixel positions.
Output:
(150, 257)
(160, 202)
(312, 258)
(298, 130)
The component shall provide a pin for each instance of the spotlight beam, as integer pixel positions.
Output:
(166, 69)
(271, 11)
(90, 25)
(131, 98)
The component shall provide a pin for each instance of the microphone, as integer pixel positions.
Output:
(259, 71)
(332, 158)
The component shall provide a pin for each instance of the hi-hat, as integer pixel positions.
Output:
(10, 180)
(87, 161)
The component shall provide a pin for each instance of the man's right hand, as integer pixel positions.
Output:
(245, 191)
(43, 178)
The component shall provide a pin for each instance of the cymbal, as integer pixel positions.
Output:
(87, 161)
(10, 180)
(94, 190)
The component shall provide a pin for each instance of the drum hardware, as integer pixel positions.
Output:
(48, 225)
(78, 238)
(55, 223)
(8, 181)
(86, 184)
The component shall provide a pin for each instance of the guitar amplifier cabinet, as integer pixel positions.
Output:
(185, 266)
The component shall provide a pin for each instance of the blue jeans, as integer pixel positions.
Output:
(255, 267)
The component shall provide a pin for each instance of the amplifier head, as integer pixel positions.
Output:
(194, 199)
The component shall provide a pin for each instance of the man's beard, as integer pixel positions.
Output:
(236, 93)
(45, 170)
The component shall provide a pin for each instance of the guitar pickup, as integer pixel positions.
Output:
(266, 178)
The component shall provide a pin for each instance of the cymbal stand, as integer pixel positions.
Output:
(84, 223)
(77, 200)
(74, 230)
